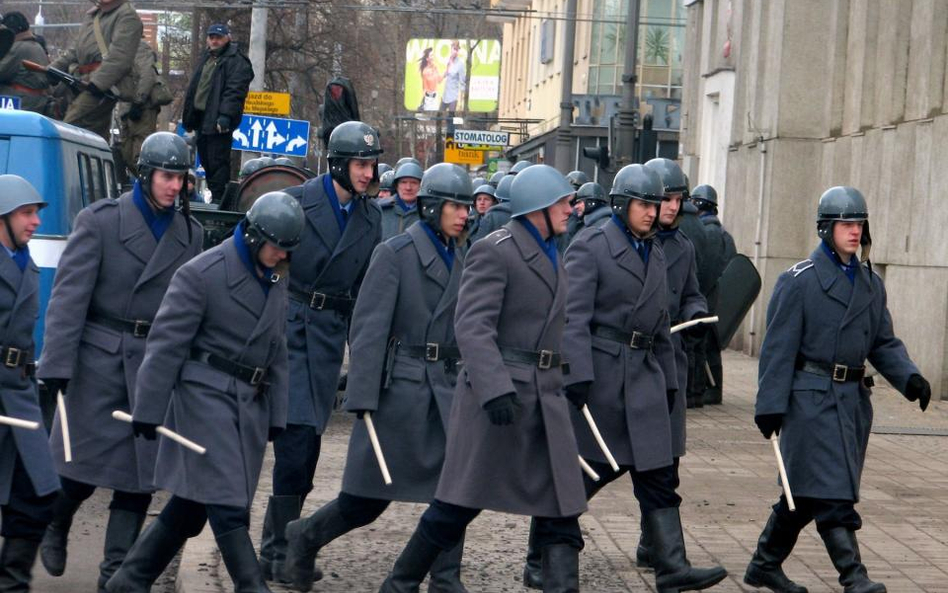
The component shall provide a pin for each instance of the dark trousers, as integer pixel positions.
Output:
(655, 489)
(133, 502)
(443, 524)
(296, 452)
(697, 375)
(359, 511)
(214, 150)
(828, 513)
(187, 517)
(26, 515)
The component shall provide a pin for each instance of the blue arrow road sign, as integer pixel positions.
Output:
(258, 133)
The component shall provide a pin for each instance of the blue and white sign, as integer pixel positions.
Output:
(259, 133)
(8, 102)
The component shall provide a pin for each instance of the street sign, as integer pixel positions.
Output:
(258, 133)
(267, 103)
(8, 102)
(481, 139)
(460, 156)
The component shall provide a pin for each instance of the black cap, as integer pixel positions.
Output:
(218, 29)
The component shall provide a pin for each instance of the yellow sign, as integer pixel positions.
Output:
(461, 156)
(267, 103)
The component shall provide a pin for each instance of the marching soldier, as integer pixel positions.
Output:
(826, 318)
(510, 444)
(28, 481)
(104, 56)
(115, 269)
(400, 211)
(720, 250)
(497, 215)
(407, 303)
(15, 80)
(593, 207)
(484, 199)
(139, 117)
(215, 371)
(342, 228)
(386, 185)
(622, 366)
(495, 178)
(577, 179)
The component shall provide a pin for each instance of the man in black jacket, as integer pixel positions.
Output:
(215, 103)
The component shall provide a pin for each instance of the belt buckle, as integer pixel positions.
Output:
(140, 330)
(839, 373)
(636, 341)
(546, 359)
(257, 377)
(322, 301)
(432, 352)
(12, 357)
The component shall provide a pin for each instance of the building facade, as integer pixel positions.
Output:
(785, 98)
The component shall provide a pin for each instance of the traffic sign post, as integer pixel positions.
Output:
(267, 103)
(258, 133)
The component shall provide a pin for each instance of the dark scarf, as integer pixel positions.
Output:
(330, 189)
(642, 246)
(548, 246)
(401, 204)
(21, 257)
(158, 223)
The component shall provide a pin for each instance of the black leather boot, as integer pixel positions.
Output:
(560, 569)
(533, 569)
(446, 571)
(673, 572)
(304, 538)
(241, 561)
(150, 555)
(412, 565)
(844, 552)
(16, 565)
(53, 546)
(773, 547)
(280, 511)
(642, 554)
(120, 535)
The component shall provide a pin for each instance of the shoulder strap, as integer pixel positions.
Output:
(99, 37)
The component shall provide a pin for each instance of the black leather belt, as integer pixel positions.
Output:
(837, 372)
(253, 375)
(319, 301)
(635, 340)
(542, 359)
(431, 352)
(139, 328)
(18, 357)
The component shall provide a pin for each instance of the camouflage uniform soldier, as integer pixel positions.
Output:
(139, 117)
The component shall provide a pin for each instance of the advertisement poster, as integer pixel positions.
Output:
(452, 75)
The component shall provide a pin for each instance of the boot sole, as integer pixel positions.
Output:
(53, 571)
(752, 582)
(709, 582)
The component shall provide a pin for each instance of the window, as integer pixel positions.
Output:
(547, 37)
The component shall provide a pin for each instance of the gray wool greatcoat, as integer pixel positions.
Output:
(111, 266)
(685, 302)
(332, 263)
(510, 296)
(214, 304)
(609, 286)
(496, 216)
(19, 308)
(408, 295)
(396, 221)
(817, 315)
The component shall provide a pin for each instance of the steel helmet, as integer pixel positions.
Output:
(277, 218)
(636, 182)
(16, 192)
(502, 193)
(486, 188)
(519, 166)
(705, 197)
(353, 140)
(284, 161)
(407, 159)
(592, 194)
(496, 177)
(478, 181)
(673, 178)
(250, 167)
(846, 204)
(384, 168)
(577, 179)
(442, 183)
(387, 181)
(166, 152)
(408, 170)
(536, 188)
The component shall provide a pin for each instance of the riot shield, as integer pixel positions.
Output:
(732, 297)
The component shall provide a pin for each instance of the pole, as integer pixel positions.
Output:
(564, 134)
(258, 47)
(626, 119)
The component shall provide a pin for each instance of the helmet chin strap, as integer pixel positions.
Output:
(6, 222)
(549, 223)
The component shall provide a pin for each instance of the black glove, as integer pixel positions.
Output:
(360, 414)
(578, 394)
(273, 433)
(223, 123)
(918, 389)
(54, 386)
(503, 409)
(769, 424)
(670, 394)
(146, 430)
(136, 112)
(696, 332)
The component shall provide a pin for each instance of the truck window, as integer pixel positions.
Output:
(85, 176)
(99, 190)
(110, 183)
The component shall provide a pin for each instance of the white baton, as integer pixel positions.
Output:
(10, 421)
(693, 322)
(165, 432)
(588, 469)
(783, 472)
(599, 439)
(64, 424)
(377, 447)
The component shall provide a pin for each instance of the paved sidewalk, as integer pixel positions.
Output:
(728, 483)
